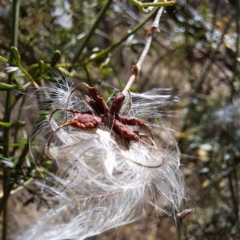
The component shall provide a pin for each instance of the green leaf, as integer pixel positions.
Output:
(16, 55)
(3, 59)
(26, 85)
(106, 71)
(5, 86)
(19, 144)
(9, 124)
(41, 67)
(56, 58)
(19, 124)
(5, 124)
(19, 86)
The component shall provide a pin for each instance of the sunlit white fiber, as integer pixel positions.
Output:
(151, 104)
(102, 180)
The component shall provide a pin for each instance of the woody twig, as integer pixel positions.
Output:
(137, 67)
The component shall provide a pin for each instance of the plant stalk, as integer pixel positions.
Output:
(90, 33)
(6, 190)
(115, 45)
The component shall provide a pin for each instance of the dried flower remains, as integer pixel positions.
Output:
(100, 113)
(111, 170)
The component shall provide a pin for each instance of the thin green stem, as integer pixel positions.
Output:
(141, 6)
(47, 65)
(115, 45)
(29, 77)
(3, 59)
(15, 20)
(18, 120)
(6, 190)
(88, 75)
(158, 4)
(88, 36)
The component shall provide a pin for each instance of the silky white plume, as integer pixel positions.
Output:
(103, 181)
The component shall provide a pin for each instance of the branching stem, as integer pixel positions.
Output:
(104, 52)
(142, 6)
(88, 36)
(137, 68)
(6, 188)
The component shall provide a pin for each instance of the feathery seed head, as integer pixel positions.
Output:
(104, 179)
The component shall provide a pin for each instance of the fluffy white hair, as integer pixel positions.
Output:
(103, 181)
